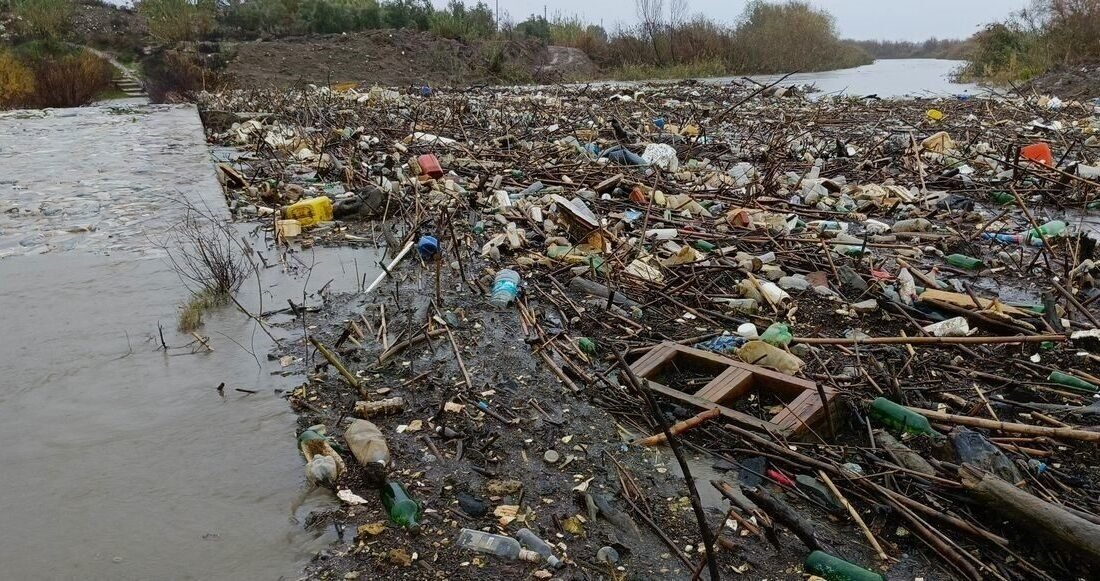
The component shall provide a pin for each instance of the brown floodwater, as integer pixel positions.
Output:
(121, 460)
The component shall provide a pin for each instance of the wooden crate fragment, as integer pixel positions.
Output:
(733, 380)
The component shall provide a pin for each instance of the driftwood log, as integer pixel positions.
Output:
(1032, 513)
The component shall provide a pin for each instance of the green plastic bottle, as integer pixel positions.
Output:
(777, 334)
(703, 246)
(964, 261)
(1052, 229)
(901, 418)
(1072, 382)
(403, 510)
(833, 568)
(1003, 198)
(587, 345)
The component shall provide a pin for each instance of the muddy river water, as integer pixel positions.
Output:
(121, 460)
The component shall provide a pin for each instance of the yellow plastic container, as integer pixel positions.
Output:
(311, 211)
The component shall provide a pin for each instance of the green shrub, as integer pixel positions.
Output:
(172, 76)
(172, 21)
(1051, 33)
(792, 36)
(48, 19)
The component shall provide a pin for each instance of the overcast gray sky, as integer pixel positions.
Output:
(859, 19)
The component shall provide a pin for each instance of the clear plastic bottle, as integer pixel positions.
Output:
(498, 545)
(368, 445)
(536, 544)
(505, 288)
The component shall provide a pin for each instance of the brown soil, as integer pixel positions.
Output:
(395, 58)
(1069, 82)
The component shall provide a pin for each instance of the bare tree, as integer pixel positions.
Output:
(650, 12)
(677, 16)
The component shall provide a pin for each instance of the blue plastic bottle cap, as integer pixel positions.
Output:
(427, 246)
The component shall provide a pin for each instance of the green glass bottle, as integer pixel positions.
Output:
(703, 246)
(833, 568)
(1072, 382)
(1003, 198)
(900, 418)
(964, 261)
(403, 510)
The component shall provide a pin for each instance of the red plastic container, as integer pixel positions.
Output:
(429, 166)
(1039, 153)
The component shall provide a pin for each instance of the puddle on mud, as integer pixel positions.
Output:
(122, 461)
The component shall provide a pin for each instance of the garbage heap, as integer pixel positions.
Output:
(866, 328)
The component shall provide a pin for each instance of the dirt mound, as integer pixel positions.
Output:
(1069, 82)
(99, 22)
(385, 57)
(568, 64)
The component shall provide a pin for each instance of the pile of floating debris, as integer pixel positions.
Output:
(690, 329)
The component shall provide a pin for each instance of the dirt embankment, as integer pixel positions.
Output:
(398, 57)
(1069, 82)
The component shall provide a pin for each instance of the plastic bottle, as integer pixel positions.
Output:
(498, 545)
(833, 568)
(536, 544)
(1052, 229)
(1072, 382)
(1003, 198)
(900, 418)
(765, 355)
(505, 288)
(1004, 238)
(912, 225)
(403, 510)
(323, 464)
(368, 445)
(777, 334)
(963, 261)
(381, 407)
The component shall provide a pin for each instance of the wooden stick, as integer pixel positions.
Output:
(1032, 513)
(418, 339)
(1064, 433)
(855, 515)
(928, 340)
(679, 427)
(335, 361)
(1076, 304)
(458, 357)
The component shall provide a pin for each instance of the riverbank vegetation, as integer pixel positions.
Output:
(1045, 36)
(37, 67)
(769, 37)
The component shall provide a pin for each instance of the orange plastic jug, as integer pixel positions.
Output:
(1039, 153)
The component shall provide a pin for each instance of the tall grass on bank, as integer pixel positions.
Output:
(39, 75)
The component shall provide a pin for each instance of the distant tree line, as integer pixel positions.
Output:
(933, 48)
